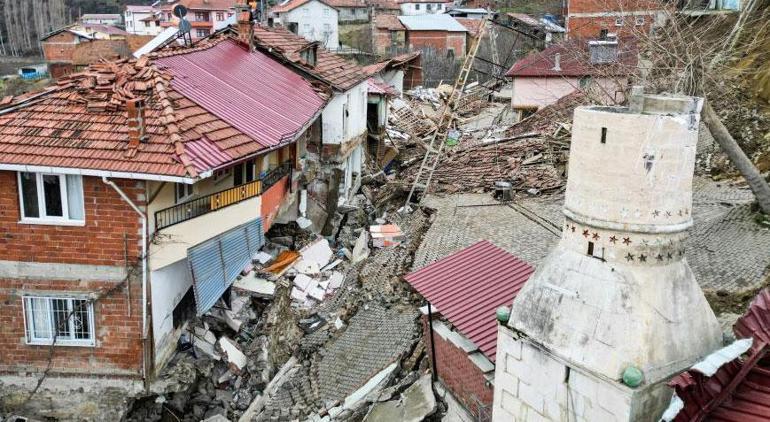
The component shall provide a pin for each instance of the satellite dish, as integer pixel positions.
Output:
(184, 26)
(180, 11)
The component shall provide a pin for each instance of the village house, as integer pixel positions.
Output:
(133, 194)
(351, 11)
(440, 32)
(142, 20)
(423, 7)
(587, 18)
(388, 7)
(205, 16)
(339, 150)
(470, 13)
(101, 19)
(598, 67)
(543, 28)
(74, 46)
(388, 35)
(314, 20)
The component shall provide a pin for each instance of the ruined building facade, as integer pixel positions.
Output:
(616, 296)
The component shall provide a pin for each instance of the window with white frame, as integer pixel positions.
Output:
(428, 7)
(618, 21)
(639, 21)
(70, 321)
(53, 198)
(183, 191)
(326, 12)
(306, 11)
(417, 6)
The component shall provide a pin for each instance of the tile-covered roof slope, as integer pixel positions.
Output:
(574, 61)
(333, 69)
(290, 5)
(190, 99)
(203, 4)
(493, 275)
(728, 386)
(388, 22)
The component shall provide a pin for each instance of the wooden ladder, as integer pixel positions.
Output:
(438, 140)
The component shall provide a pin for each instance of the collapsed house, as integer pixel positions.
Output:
(153, 181)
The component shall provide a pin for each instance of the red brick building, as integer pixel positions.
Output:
(460, 330)
(116, 180)
(441, 32)
(588, 18)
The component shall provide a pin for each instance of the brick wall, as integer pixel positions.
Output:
(595, 6)
(118, 348)
(589, 27)
(100, 242)
(440, 40)
(59, 48)
(458, 373)
(272, 200)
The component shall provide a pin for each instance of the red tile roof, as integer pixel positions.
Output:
(332, 69)
(190, 98)
(738, 390)
(391, 63)
(347, 3)
(493, 275)
(388, 22)
(384, 4)
(380, 88)
(574, 61)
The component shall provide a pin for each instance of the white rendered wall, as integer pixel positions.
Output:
(531, 92)
(355, 98)
(411, 9)
(135, 25)
(311, 19)
(168, 285)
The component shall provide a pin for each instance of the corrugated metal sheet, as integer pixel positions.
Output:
(432, 23)
(205, 154)
(252, 92)
(216, 262)
(468, 286)
(738, 390)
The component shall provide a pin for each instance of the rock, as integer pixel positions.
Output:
(215, 414)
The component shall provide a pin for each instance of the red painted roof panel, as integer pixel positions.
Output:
(251, 91)
(492, 274)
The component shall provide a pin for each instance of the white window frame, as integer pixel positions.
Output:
(64, 220)
(189, 192)
(60, 341)
(619, 21)
(326, 12)
(639, 21)
(417, 6)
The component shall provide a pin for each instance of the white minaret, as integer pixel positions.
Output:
(615, 300)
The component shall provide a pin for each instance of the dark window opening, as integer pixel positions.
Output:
(567, 371)
(604, 135)
(184, 310)
(591, 248)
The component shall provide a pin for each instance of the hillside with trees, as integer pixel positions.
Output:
(23, 22)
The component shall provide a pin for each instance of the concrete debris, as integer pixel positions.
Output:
(386, 235)
(257, 286)
(414, 405)
(234, 356)
(263, 257)
(304, 223)
(361, 248)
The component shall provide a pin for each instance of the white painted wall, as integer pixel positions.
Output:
(315, 21)
(413, 9)
(394, 78)
(538, 92)
(168, 285)
(135, 25)
(338, 128)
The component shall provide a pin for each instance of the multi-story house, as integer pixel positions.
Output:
(132, 196)
(101, 19)
(351, 11)
(314, 20)
(423, 7)
(205, 16)
(340, 148)
(74, 46)
(142, 20)
(590, 18)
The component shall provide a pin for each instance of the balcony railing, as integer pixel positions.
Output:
(199, 206)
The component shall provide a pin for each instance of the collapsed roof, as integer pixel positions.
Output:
(201, 113)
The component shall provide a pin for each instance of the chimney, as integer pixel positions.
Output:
(245, 25)
(557, 62)
(137, 130)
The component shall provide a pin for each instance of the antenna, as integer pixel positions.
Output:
(184, 25)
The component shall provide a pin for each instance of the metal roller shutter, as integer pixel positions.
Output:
(216, 263)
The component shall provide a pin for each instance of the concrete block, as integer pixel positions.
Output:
(614, 400)
(535, 416)
(583, 384)
(441, 329)
(531, 397)
(512, 405)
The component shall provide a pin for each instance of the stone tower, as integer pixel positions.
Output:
(616, 295)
